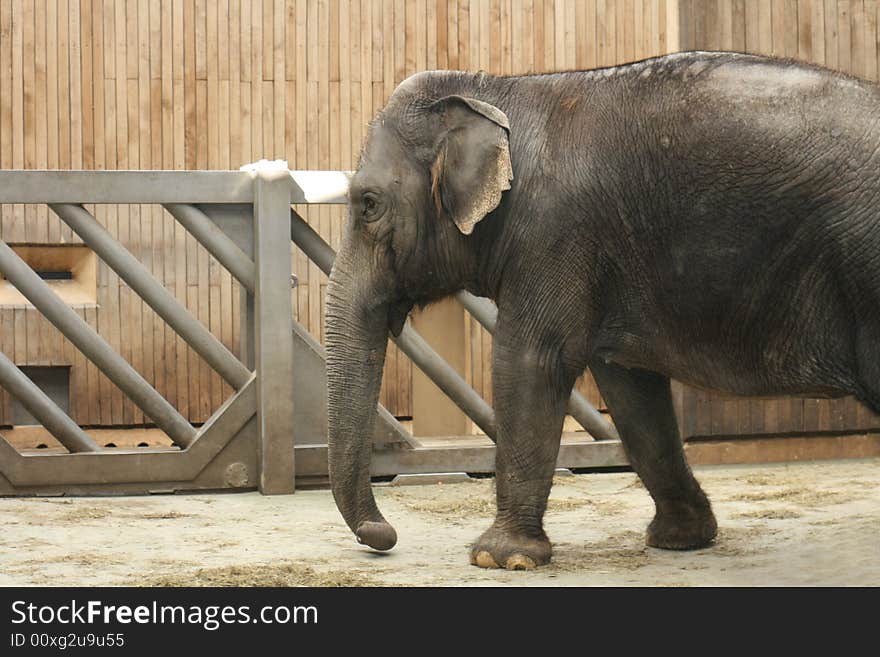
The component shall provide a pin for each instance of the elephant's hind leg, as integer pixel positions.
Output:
(867, 387)
(641, 405)
(530, 408)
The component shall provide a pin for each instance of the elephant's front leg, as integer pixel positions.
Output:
(530, 399)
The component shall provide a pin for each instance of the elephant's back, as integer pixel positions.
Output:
(748, 105)
(753, 214)
(755, 139)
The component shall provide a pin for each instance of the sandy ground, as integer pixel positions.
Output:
(783, 524)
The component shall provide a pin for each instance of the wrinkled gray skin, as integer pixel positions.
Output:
(711, 217)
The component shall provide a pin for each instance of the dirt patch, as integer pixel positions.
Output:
(267, 574)
(481, 507)
(166, 515)
(80, 514)
(480, 504)
(626, 551)
(602, 507)
(560, 504)
(760, 480)
(770, 514)
(738, 541)
(478, 499)
(800, 496)
(90, 559)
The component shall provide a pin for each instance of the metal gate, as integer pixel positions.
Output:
(274, 425)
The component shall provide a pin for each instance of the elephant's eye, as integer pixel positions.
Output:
(370, 207)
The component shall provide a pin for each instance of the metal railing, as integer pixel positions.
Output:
(251, 416)
(245, 220)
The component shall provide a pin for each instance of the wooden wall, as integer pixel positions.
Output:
(196, 84)
(839, 34)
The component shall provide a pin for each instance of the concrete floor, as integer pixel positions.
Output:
(782, 524)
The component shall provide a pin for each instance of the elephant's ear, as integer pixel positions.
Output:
(472, 167)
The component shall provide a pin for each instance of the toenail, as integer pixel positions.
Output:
(485, 560)
(520, 562)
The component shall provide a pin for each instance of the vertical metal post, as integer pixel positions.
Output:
(273, 330)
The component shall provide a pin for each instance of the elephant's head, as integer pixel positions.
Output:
(434, 165)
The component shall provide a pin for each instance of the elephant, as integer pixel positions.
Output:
(709, 217)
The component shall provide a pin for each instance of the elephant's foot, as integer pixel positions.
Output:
(499, 548)
(681, 526)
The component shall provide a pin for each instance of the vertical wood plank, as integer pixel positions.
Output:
(804, 30)
(570, 46)
(421, 36)
(65, 95)
(52, 95)
(790, 21)
(436, 34)
(517, 42)
(278, 37)
(831, 30)
(559, 35)
(549, 18)
(870, 43)
(857, 39)
(30, 113)
(765, 28)
(99, 57)
(626, 24)
(844, 35)
(7, 101)
(409, 38)
(40, 230)
(463, 24)
(7, 345)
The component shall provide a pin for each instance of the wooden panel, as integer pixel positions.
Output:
(214, 84)
(106, 84)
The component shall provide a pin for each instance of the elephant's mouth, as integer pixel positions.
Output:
(397, 314)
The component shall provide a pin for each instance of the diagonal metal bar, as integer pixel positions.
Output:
(95, 348)
(44, 409)
(154, 293)
(410, 343)
(485, 312)
(312, 244)
(218, 244)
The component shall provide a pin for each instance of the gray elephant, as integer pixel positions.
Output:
(712, 217)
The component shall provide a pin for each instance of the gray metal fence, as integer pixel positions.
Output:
(272, 430)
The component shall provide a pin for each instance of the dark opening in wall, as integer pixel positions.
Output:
(56, 275)
(52, 380)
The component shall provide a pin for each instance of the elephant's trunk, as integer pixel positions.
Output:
(356, 335)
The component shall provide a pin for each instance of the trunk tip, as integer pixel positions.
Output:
(377, 535)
